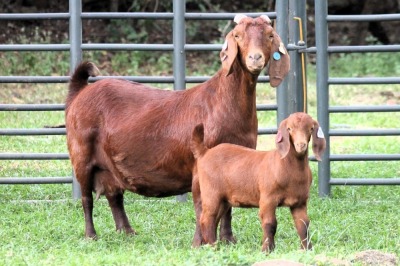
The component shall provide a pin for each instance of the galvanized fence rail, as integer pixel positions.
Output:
(324, 110)
(179, 47)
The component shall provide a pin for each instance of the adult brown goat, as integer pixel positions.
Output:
(123, 135)
(231, 175)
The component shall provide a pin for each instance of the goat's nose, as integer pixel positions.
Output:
(255, 57)
(301, 145)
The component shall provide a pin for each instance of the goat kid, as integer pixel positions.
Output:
(123, 135)
(231, 175)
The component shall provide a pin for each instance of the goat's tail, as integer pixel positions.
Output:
(79, 79)
(197, 142)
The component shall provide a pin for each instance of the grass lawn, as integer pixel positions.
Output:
(42, 225)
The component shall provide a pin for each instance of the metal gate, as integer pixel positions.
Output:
(291, 95)
(322, 18)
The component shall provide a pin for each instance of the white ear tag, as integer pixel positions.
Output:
(320, 134)
(282, 48)
(225, 45)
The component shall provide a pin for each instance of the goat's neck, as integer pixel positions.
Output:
(239, 86)
(296, 161)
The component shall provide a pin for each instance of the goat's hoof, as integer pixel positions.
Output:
(267, 249)
(308, 247)
(196, 243)
(91, 236)
(131, 232)
(228, 239)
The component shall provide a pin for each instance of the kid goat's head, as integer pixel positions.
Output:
(296, 131)
(254, 43)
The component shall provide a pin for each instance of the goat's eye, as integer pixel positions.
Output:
(289, 129)
(312, 129)
(271, 37)
(237, 36)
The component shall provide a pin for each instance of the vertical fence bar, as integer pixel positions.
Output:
(296, 90)
(179, 41)
(75, 36)
(321, 32)
(281, 8)
(179, 56)
(293, 103)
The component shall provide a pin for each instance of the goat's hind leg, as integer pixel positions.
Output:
(197, 238)
(208, 223)
(84, 176)
(116, 202)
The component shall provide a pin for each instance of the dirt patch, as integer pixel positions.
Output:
(375, 257)
(364, 258)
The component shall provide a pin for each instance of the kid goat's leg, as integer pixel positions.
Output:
(269, 225)
(225, 233)
(301, 221)
(197, 239)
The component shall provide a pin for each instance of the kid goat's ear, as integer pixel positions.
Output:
(318, 141)
(282, 140)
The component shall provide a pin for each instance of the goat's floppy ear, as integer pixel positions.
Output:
(228, 53)
(279, 62)
(282, 140)
(318, 142)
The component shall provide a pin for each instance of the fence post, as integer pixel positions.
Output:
(281, 8)
(75, 35)
(296, 93)
(321, 36)
(179, 56)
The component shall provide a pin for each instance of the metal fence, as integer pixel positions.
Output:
(75, 48)
(322, 18)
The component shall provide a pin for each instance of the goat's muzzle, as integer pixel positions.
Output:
(300, 146)
(255, 62)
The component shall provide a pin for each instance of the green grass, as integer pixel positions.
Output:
(51, 233)
(42, 225)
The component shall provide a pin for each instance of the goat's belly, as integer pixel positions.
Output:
(243, 202)
(156, 187)
(293, 201)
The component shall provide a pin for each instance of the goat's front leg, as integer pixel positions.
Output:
(116, 202)
(301, 221)
(269, 225)
(196, 194)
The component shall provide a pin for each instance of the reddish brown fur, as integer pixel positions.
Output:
(231, 175)
(127, 136)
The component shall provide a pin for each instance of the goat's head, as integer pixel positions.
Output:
(297, 130)
(254, 43)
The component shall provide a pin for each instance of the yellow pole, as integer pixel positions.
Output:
(303, 68)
